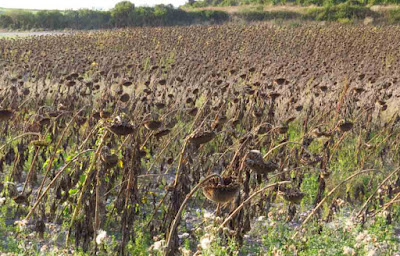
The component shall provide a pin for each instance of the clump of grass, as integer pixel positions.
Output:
(344, 13)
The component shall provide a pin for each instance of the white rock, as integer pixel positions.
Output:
(348, 251)
(372, 252)
(184, 236)
(44, 248)
(261, 218)
(361, 236)
(159, 245)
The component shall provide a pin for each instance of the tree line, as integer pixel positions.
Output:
(206, 3)
(124, 14)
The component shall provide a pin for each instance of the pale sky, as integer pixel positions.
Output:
(78, 4)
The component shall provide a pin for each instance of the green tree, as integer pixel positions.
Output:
(21, 19)
(49, 19)
(5, 21)
(143, 16)
(121, 13)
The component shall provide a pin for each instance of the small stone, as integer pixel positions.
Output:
(348, 251)
(44, 248)
(261, 218)
(184, 236)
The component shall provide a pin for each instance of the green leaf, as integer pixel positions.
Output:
(69, 158)
(72, 191)
(82, 178)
